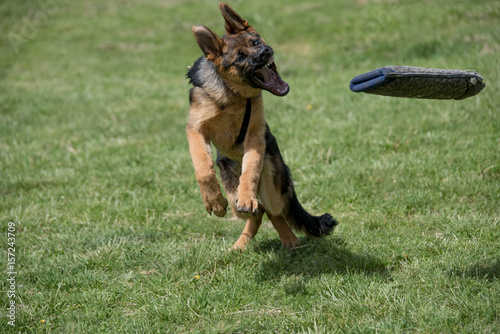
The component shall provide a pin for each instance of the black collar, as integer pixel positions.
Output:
(244, 125)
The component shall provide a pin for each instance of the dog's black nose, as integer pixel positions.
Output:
(265, 54)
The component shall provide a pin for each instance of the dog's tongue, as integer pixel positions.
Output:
(269, 79)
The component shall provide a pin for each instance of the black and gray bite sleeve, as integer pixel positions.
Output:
(419, 82)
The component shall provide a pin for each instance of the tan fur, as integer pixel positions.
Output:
(209, 123)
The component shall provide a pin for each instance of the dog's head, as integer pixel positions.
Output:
(241, 57)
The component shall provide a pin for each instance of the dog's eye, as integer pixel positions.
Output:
(256, 43)
(241, 57)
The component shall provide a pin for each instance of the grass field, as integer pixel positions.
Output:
(110, 232)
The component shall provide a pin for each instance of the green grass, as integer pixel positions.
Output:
(111, 232)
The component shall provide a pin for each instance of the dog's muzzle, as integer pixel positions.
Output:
(266, 75)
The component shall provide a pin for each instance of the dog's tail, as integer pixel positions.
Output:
(300, 219)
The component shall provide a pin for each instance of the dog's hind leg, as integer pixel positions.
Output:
(249, 232)
(288, 239)
(281, 199)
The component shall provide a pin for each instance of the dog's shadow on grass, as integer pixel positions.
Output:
(316, 257)
(485, 271)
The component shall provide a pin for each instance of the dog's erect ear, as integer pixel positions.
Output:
(209, 42)
(234, 22)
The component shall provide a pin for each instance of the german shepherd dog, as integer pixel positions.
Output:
(226, 109)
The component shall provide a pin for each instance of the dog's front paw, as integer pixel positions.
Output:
(216, 204)
(247, 205)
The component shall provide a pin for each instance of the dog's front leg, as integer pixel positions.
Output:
(251, 168)
(201, 154)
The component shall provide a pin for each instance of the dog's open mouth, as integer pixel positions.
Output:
(269, 79)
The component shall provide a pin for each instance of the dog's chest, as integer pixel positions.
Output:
(225, 129)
